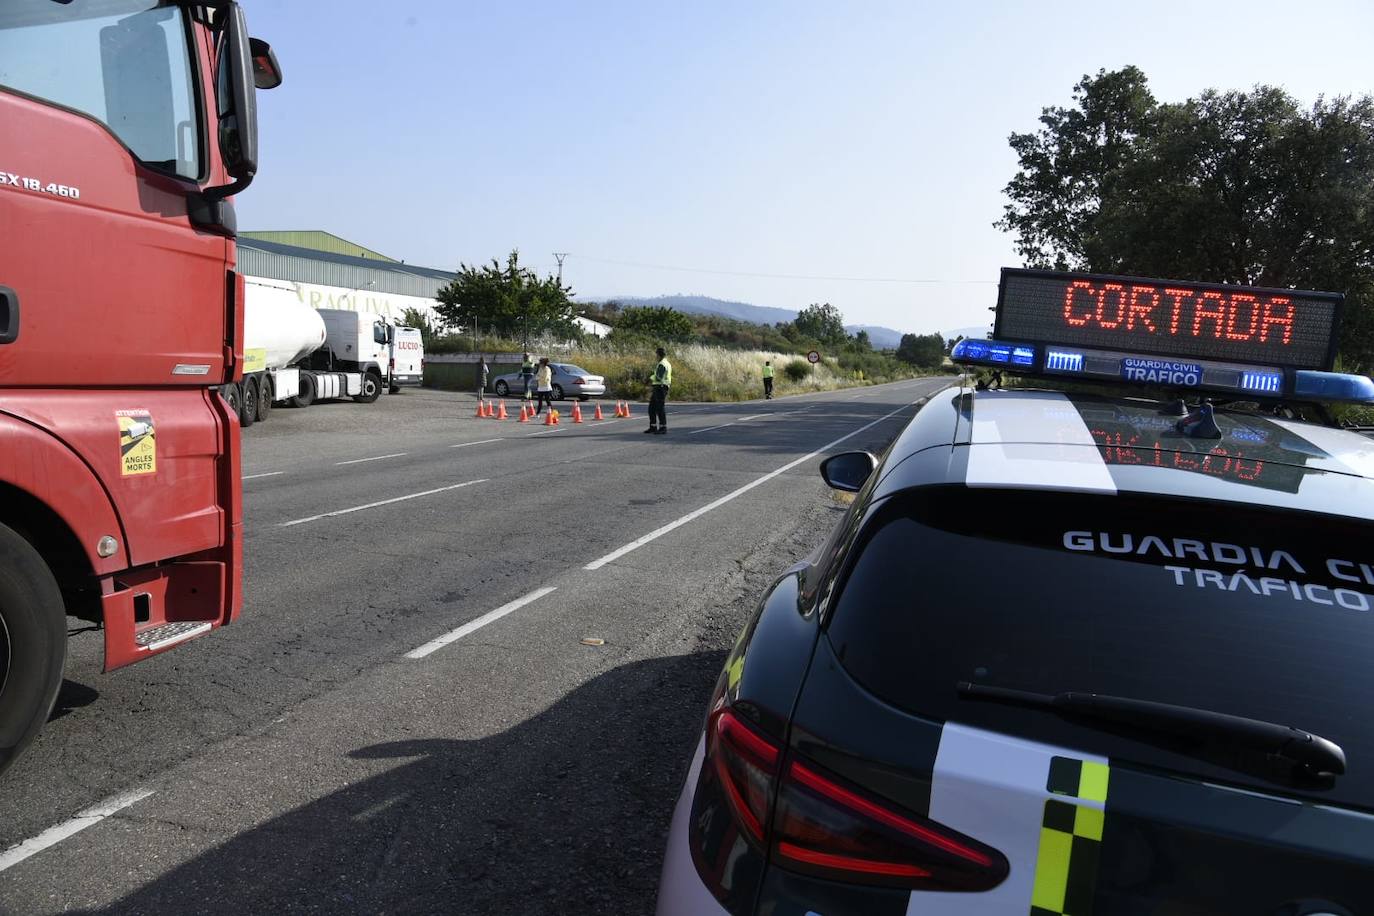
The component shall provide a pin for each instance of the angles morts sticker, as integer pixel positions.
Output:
(137, 442)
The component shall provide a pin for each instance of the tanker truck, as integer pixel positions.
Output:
(295, 355)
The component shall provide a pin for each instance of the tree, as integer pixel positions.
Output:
(654, 321)
(925, 351)
(1240, 187)
(509, 301)
(822, 323)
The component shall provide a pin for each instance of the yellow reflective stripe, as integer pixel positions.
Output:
(1087, 822)
(1092, 782)
(1052, 870)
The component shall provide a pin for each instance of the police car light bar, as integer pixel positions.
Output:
(1261, 343)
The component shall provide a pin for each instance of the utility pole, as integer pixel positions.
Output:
(560, 255)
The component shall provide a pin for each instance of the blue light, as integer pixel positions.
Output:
(999, 353)
(1063, 361)
(1023, 356)
(1262, 381)
(970, 349)
(1333, 386)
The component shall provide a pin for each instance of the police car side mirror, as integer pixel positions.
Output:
(847, 471)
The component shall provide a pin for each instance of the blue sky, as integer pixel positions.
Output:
(863, 140)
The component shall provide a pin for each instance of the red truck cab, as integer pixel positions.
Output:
(128, 124)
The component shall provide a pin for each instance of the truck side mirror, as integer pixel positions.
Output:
(238, 103)
(266, 70)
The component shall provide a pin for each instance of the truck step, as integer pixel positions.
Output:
(166, 634)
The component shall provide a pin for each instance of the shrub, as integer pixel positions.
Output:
(797, 370)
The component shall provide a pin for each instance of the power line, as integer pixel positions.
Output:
(767, 276)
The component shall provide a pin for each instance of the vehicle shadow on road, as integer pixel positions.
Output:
(564, 813)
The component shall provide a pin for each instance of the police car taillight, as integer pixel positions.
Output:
(825, 828)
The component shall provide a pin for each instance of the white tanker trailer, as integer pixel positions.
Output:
(294, 354)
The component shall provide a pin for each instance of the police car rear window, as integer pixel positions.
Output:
(1241, 610)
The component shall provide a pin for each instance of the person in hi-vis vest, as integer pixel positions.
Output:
(658, 400)
(768, 380)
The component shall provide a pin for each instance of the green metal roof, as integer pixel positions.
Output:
(317, 240)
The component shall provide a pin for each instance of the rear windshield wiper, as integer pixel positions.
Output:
(1312, 753)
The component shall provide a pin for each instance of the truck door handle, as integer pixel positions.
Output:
(9, 315)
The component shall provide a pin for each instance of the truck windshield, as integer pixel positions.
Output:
(126, 63)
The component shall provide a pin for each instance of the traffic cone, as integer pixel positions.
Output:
(548, 418)
(619, 409)
(501, 414)
(524, 414)
(577, 413)
(556, 420)
(627, 409)
(598, 415)
(480, 413)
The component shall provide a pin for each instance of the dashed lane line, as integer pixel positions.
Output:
(691, 516)
(380, 502)
(478, 442)
(268, 474)
(472, 626)
(376, 458)
(83, 819)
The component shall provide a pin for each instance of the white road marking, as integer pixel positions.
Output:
(383, 502)
(473, 625)
(268, 474)
(545, 432)
(378, 458)
(671, 526)
(83, 819)
(478, 442)
(732, 422)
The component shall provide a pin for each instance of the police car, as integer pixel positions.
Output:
(1100, 643)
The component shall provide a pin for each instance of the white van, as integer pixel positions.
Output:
(407, 358)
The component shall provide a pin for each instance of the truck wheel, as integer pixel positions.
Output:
(233, 396)
(307, 389)
(372, 388)
(248, 409)
(33, 643)
(265, 398)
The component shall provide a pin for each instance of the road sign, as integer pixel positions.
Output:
(813, 356)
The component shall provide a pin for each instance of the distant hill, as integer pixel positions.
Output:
(977, 333)
(880, 337)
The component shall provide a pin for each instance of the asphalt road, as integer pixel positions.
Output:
(326, 754)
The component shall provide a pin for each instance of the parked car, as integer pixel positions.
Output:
(1066, 652)
(568, 381)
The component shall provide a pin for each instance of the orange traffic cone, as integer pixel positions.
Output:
(480, 413)
(577, 413)
(501, 414)
(627, 409)
(619, 409)
(597, 415)
(548, 418)
(556, 419)
(524, 414)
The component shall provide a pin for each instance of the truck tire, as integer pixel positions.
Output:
(233, 396)
(372, 388)
(265, 393)
(248, 407)
(307, 395)
(33, 643)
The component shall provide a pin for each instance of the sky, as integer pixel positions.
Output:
(768, 152)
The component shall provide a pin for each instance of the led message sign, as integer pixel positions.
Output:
(1235, 324)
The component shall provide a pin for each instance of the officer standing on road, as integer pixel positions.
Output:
(768, 380)
(483, 370)
(663, 380)
(527, 374)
